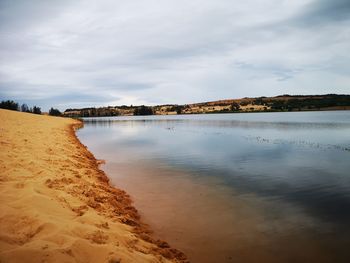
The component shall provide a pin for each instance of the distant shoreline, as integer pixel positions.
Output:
(213, 113)
(284, 103)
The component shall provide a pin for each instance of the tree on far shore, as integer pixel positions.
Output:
(12, 105)
(143, 110)
(36, 110)
(235, 106)
(24, 108)
(9, 105)
(54, 112)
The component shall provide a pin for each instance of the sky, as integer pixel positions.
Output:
(73, 54)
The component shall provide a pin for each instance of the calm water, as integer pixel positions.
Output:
(258, 187)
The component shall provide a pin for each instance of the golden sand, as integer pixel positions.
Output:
(56, 205)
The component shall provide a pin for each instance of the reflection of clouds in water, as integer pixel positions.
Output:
(313, 192)
(305, 117)
(136, 142)
(280, 157)
(127, 131)
(291, 176)
(221, 124)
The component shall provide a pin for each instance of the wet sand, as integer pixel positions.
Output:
(56, 205)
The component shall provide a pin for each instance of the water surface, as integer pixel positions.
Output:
(257, 187)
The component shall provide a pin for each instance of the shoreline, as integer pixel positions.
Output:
(210, 113)
(68, 211)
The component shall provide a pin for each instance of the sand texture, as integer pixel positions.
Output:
(57, 206)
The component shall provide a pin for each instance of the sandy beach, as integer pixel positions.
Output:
(56, 205)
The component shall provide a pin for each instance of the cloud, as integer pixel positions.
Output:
(153, 52)
(325, 12)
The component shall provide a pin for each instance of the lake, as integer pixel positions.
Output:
(250, 187)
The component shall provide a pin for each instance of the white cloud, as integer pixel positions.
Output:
(152, 52)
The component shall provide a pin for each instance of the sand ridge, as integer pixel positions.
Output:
(56, 205)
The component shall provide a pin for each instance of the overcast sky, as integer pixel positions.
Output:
(94, 53)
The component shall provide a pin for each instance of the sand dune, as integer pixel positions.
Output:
(57, 206)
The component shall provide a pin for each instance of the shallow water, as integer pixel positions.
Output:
(257, 187)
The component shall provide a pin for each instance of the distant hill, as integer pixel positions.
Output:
(258, 104)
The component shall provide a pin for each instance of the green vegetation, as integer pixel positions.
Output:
(260, 104)
(54, 112)
(177, 108)
(317, 103)
(25, 108)
(94, 112)
(12, 105)
(36, 110)
(235, 106)
(143, 110)
(9, 105)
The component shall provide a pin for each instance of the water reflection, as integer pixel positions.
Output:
(294, 167)
(171, 123)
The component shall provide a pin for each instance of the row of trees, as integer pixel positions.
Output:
(9, 105)
(311, 103)
(143, 110)
(35, 109)
(54, 112)
(12, 105)
(178, 108)
(92, 112)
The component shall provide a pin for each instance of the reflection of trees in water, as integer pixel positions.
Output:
(220, 123)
